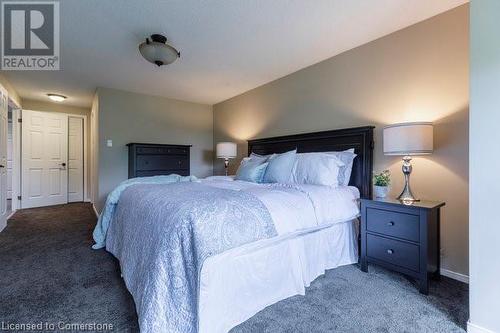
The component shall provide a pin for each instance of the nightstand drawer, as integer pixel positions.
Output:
(393, 251)
(393, 224)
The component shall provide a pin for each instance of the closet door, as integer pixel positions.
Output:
(44, 159)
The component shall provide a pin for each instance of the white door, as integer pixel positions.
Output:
(44, 159)
(4, 102)
(75, 159)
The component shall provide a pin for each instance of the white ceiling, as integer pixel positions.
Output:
(227, 46)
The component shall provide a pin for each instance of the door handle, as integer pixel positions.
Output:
(63, 166)
(2, 166)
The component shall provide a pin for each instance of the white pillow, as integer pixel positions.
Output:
(257, 157)
(316, 169)
(346, 157)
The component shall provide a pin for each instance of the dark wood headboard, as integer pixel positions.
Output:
(359, 138)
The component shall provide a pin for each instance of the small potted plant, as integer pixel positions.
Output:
(381, 182)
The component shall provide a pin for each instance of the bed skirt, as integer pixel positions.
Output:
(238, 283)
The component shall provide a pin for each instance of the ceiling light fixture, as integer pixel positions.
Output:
(157, 51)
(57, 97)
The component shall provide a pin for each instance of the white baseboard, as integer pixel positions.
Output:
(11, 214)
(473, 328)
(95, 210)
(8, 217)
(454, 275)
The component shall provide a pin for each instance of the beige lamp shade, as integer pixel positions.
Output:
(408, 139)
(226, 150)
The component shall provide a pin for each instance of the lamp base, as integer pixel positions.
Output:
(226, 165)
(407, 197)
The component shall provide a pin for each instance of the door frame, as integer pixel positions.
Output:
(16, 155)
(4, 172)
(85, 147)
(16, 167)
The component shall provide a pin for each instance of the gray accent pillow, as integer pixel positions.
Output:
(280, 167)
(251, 171)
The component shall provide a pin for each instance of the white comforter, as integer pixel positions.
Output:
(296, 207)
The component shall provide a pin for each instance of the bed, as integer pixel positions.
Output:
(250, 246)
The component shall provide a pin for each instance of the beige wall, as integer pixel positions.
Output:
(416, 74)
(10, 90)
(126, 117)
(47, 106)
(484, 165)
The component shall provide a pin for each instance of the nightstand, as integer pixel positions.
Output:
(403, 238)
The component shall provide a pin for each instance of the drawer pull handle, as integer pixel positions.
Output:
(390, 224)
(390, 251)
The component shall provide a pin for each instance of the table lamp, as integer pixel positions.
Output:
(408, 139)
(226, 150)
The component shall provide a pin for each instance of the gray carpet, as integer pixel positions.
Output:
(49, 273)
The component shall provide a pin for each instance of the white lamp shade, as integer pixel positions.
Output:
(408, 139)
(226, 150)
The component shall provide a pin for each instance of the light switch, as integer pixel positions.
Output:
(109, 143)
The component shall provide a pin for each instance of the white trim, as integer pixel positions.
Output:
(11, 214)
(85, 161)
(454, 275)
(95, 211)
(473, 328)
(13, 104)
(4, 110)
(16, 158)
(85, 157)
